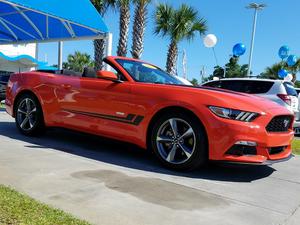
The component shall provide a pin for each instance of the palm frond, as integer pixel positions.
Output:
(179, 24)
(163, 19)
(103, 5)
(199, 26)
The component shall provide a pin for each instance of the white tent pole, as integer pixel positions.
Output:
(37, 51)
(37, 54)
(109, 40)
(60, 51)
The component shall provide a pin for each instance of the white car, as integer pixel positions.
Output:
(297, 129)
(279, 91)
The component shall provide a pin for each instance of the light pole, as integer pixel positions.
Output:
(256, 8)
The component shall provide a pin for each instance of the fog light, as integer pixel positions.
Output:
(241, 148)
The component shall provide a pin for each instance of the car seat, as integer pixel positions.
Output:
(89, 72)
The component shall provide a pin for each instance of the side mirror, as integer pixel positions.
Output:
(108, 75)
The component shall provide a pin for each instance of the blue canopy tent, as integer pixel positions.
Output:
(37, 21)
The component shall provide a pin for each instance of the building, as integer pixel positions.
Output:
(17, 50)
(18, 58)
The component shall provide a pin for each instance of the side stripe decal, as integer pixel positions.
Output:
(130, 119)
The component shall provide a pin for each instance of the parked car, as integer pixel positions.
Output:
(297, 124)
(139, 103)
(279, 91)
(4, 77)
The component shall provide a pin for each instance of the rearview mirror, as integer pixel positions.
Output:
(108, 75)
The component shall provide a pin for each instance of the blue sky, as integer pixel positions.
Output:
(229, 20)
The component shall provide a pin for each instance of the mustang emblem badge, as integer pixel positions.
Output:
(286, 123)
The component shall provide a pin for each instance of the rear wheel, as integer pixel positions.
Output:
(29, 115)
(179, 141)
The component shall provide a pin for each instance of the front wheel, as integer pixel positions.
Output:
(179, 141)
(29, 115)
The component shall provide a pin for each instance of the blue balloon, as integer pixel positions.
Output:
(292, 60)
(282, 73)
(284, 52)
(239, 49)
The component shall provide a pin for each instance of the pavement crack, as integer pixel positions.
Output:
(291, 215)
(290, 181)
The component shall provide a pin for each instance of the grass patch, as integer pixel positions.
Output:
(16, 208)
(296, 146)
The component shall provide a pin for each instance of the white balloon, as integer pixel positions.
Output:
(289, 77)
(210, 41)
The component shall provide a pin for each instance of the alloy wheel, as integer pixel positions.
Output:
(27, 114)
(176, 141)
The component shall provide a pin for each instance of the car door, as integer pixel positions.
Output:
(99, 106)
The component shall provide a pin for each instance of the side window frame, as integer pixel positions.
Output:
(121, 76)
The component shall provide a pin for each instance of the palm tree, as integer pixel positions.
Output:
(232, 69)
(272, 71)
(78, 61)
(178, 25)
(294, 69)
(99, 44)
(124, 7)
(195, 82)
(139, 27)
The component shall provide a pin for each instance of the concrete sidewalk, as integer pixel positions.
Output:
(107, 182)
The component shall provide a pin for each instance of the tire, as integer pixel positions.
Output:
(179, 152)
(29, 115)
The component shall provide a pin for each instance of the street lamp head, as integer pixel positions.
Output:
(256, 6)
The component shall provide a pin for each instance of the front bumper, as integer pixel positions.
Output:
(224, 134)
(264, 163)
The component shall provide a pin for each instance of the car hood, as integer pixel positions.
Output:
(236, 100)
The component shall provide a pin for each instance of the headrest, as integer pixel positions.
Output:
(89, 72)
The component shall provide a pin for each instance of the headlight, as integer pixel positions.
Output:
(234, 114)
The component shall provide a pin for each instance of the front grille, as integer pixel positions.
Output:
(280, 124)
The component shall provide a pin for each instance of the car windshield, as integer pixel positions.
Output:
(147, 73)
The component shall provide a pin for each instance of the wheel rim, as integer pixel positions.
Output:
(26, 114)
(176, 141)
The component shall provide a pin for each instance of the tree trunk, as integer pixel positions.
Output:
(172, 58)
(139, 30)
(124, 30)
(99, 44)
(99, 47)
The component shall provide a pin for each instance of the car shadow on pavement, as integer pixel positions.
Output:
(128, 155)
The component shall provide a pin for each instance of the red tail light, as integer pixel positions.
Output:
(287, 99)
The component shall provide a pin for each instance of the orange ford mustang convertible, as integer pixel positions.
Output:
(139, 103)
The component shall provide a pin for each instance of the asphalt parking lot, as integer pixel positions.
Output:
(108, 182)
